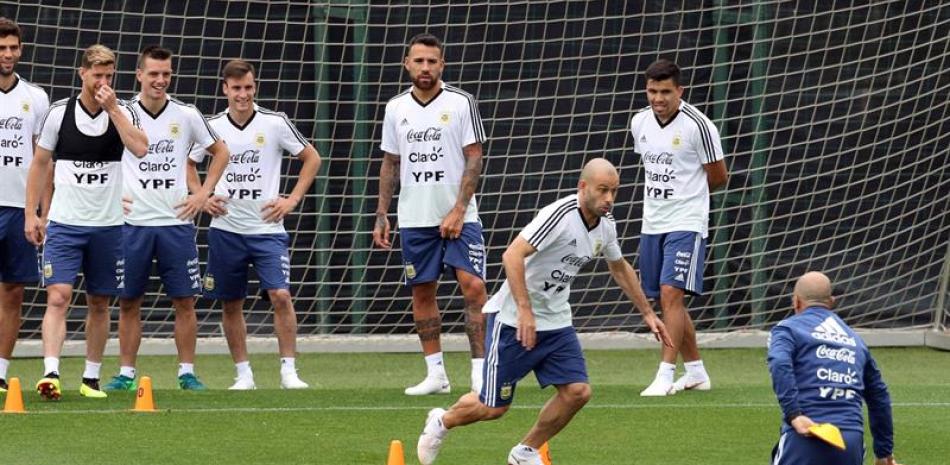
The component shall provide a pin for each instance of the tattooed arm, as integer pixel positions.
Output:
(388, 181)
(451, 227)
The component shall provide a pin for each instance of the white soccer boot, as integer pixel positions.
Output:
(431, 438)
(690, 382)
(430, 385)
(243, 383)
(659, 388)
(521, 456)
(292, 381)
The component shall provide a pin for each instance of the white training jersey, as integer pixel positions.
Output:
(87, 193)
(252, 178)
(676, 193)
(157, 182)
(429, 139)
(564, 243)
(22, 108)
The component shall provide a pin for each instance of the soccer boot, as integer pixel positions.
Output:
(659, 388)
(522, 456)
(243, 383)
(427, 449)
(292, 381)
(120, 383)
(190, 382)
(430, 385)
(689, 382)
(48, 388)
(90, 388)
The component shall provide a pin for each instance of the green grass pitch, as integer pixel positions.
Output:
(356, 407)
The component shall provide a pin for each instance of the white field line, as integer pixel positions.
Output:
(391, 408)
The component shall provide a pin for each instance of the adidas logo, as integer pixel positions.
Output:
(680, 277)
(830, 331)
(405, 122)
(573, 243)
(643, 138)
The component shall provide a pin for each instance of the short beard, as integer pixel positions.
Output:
(7, 74)
(432, 83)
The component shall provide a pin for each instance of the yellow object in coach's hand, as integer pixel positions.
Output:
(828, 433)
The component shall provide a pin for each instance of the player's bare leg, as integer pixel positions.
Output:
(285, 325)
(58, 297)
(556, 414)
(186, 329)
(130, 331)
(473, 290)
(235, 331)
(425, 314)
(676, 320)
(97, 333)
(467, 410)
(11, 302)
(683, 334)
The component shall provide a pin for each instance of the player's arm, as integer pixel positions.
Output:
(781, 363)
(513, 260)
(716, 175)
(194, 203)
(626, 277)
(132, 136)
(276, 209)
(879, 412)
(388, 182)
(451, 227)
(47, 197)
(37, 187)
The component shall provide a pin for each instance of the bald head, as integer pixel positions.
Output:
(814, 289)
(597, 168)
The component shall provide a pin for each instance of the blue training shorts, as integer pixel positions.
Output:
(675, 259)
(94, 250)
(230, 254)
(795, 449)
(556, 359)
(18, 260)
(426, 255)
(174, 250)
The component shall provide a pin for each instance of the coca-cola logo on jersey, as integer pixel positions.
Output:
(12, 123)
(162, 147)
(664, 158)
(247, 156)
(575, 260)
(838, 355)
(427, 135)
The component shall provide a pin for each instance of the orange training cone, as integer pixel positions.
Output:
(14, 402)
(545, 453)
(144, 402)
(396, 456)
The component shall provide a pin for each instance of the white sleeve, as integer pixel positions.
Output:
(471, 124)
(131, 114)
(49, 133)
(707, 143)
(545, 228)
(202, 134)
(40, 108)
(612, 251)
(389, 143)
(290, 138)
(633, 132)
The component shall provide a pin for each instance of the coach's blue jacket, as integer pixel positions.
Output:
(822, 369)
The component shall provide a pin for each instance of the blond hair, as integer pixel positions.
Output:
(97, 55)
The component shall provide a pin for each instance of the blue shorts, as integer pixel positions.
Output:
(175, 252)
(18, 260)
(95, 250)
(426, 254)
(675, 259)
(230, 254)
(795, 449)
(556, 359)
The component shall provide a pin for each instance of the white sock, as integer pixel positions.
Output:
(478, 364)
(666, 371)
(92, 370)
(127, 371)
(435, 365)
(436, 428)
(4, 365)
(524, 452)
(50, 365)
(696, 369)
(186, 369)
(288, 366)
(244, 370)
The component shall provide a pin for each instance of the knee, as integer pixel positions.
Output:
(577, 394)
(280, 298)
(233, 308)
(57, 300)
(671, 297)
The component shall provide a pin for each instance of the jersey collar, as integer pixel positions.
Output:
(153, 115)
(86, 110)
(16, 81)
(663, 125)
(246, 123)
(437, 94)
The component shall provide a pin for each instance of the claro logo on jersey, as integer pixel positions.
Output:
(839, 354)
(827, 374)
(12, 143)
(90, 178)
(246, 192)
(160, 166)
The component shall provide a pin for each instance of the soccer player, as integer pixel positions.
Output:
(248, 215)
(683, 162)
(22, 106)
(87, 133)
(821, 370)
(530, 316)
(432, 139)
(158, 224)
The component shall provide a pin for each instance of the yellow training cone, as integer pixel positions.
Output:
(14, 402)
(828, 433)
(144, 402)
(545, 453)
(396, 456)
